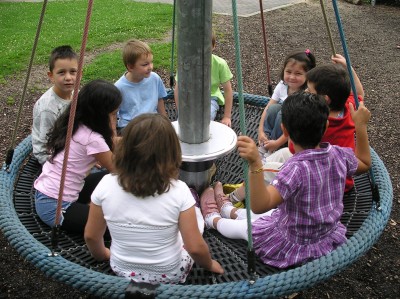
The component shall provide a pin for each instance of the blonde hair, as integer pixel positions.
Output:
(133, 50)
(213, 38)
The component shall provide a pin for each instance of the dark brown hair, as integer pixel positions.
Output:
(96, 100)
(305, 57)
(61, 52)
(148, 156)
(333, 81)
(304, 116)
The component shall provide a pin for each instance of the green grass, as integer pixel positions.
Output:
(111, 21)
(10, 101)
(109, 66)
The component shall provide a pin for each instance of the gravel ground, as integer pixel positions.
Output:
(372, 35)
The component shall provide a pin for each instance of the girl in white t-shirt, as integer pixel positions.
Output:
(293, 79)
(94, 130)
(151, 215)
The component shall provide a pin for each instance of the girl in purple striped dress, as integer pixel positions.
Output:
(297, 217)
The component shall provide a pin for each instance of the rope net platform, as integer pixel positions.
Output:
(75, 266)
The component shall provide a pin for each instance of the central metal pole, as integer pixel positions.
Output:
(202, 140)
(194, 69)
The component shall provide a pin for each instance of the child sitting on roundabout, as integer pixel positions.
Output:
(332, 81)
(93, 138)
(155, 227)
(296, 218)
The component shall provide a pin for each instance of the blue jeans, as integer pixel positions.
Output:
(272, 122)
(214, 108)
(46, 208)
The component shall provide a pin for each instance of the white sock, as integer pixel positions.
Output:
(209, 219)
(233, 197)
(226, 210)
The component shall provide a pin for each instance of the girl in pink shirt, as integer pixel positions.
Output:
(91, 143)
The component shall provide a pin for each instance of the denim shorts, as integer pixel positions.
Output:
(46, 208)
(214, 108)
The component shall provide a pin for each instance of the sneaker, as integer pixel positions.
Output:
(264, 157)
(262, 150)
(220, 198)
(264, 153)
(208, 205)
(209, 208)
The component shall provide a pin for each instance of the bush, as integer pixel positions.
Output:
(386, 2)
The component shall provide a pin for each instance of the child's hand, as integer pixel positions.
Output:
(271, 145)
(107, 254)
(248, 149)
(226, 121)
(262, 138)
(339, 59)
(360, 116)
(216, 267)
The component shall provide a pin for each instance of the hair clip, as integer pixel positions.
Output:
(307, 51)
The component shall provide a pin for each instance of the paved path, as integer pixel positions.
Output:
(245, 8)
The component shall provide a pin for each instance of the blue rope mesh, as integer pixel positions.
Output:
(279, 284)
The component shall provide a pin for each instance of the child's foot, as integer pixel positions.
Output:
(234, 197)
(224, 205)
(262, 150)
(220, 196)
(209, 207)
(264, 153)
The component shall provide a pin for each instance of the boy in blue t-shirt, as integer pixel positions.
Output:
(142, 90)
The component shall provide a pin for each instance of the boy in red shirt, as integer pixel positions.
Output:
(333, 82)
